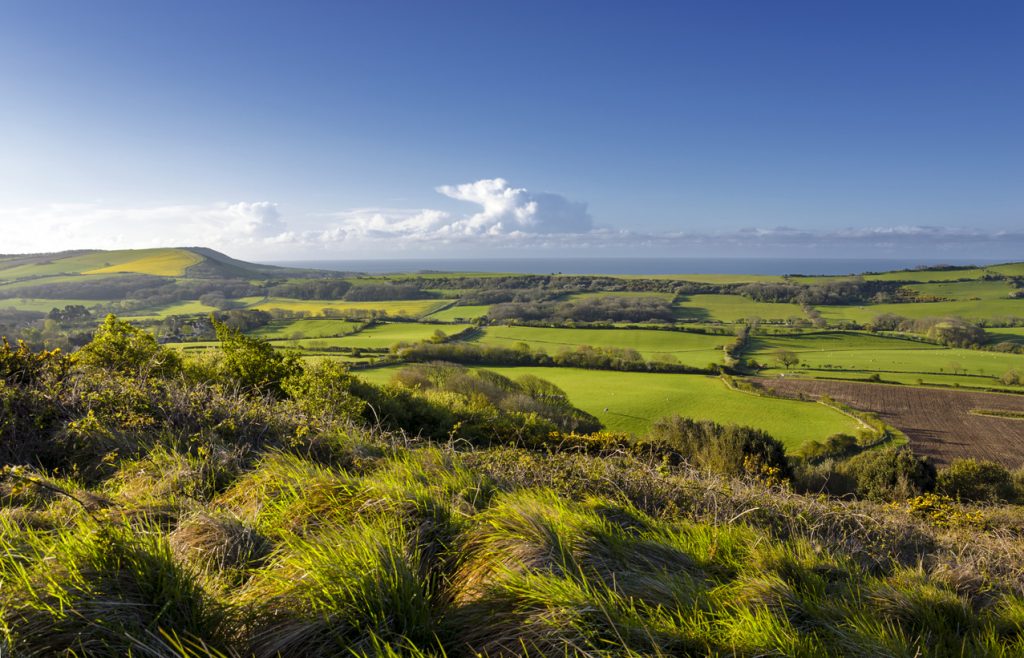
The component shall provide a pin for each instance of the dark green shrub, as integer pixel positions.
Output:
(975, 481)
(891, 474)
(834, 447)
(726, 449)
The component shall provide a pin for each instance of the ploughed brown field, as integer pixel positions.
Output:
(938, 422)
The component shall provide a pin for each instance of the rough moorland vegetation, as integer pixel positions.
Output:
(247, 504)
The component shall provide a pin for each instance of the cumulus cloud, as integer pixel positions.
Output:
(504, 211)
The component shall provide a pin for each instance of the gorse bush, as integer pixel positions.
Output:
(729, 450)
(976, 481)
(891, 473)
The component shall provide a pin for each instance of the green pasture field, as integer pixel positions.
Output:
(1008, 269)
(965, 290)
(635, 400)
(690, 349)
(710, 278)
(906, 378)
(985, 309)
(305, 328)
(187, 307)
(195, 346)
(45, 305)
(831, 342)
(855, 355)
(409, 308)
(911, 276)
(63, 278)
(456, 313)
(380, 336)
(729, 308)
(1011, 334)
(581, 296)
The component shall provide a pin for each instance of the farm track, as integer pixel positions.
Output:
(938, 423)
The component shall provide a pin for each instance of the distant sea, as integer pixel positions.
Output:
(775, 266)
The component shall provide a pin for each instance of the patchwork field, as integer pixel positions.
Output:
(939, 423)
(965, 290)
(984, 309)
(377, 337)
(45, 305)
(690, 349)
(581, 296)
(730, 308)
(858, 355)
(630, 402)
(409, 308)
(1010, 334)
(305, 328)
(459, 313)
(193, 307)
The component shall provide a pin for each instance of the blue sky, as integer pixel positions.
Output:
(419, 129)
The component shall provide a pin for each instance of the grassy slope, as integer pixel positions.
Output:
(427, 552)
(690, 349)
(159, 262)
(634, 400)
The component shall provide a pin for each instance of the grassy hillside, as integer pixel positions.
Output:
(630, 402)
(160, 262)
(248, 506)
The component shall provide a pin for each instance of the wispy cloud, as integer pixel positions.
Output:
(506, 220)
(95, 226)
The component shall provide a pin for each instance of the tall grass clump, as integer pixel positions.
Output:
(346, 589)
(98, 590)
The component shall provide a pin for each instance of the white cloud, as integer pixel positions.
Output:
(93, 226)
(506, 220)
(506, 209)
(504, 212)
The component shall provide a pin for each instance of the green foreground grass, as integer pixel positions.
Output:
(631, 402)
(245, 506)
(379, 550)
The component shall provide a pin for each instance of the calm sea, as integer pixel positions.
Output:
(834, 266)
